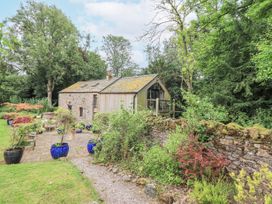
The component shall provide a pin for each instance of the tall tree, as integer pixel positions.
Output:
(171, 16)
(10, 81)
(165, 62)
(229, 38)
(118, 53)
(49, 44)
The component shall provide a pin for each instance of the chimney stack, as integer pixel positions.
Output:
(109, 75)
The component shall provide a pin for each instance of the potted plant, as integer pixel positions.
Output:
(13, 155)
(90, 146)
(88, 127)
(65, 120)
(79, 127)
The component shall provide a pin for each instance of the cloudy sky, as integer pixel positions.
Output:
(128, 18)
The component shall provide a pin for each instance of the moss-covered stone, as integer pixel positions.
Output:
(259, 132)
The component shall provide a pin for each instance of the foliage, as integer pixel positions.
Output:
(253, 189)
(196, 160)
(66, 120)
(160, 165)
(18, 135)
(118, 54)
(50, 54)
(101, 122)
(22, 119)
(216, 192)
(175, 140)
(23, 106)
(232, 36)
(5, 137)
(261, 116)
(124, 137)
(9, 81)
(198, 109)
(164, 62)
(54, 182)
(80, 125)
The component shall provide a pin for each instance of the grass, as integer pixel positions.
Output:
(5, 132)
(48, 182)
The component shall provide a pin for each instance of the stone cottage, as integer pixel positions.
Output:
(85, 98)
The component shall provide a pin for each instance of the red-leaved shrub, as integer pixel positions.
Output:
(22, 119)
(196, 160)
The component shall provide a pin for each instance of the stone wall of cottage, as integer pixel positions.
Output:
(77, 101)
(245, 148)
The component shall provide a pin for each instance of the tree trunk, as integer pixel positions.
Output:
(50, 87)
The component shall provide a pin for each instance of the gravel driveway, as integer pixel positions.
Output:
(110, 186)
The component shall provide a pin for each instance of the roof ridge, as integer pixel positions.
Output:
(140, 76)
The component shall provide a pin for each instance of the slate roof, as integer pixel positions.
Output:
(115, 85)
(130, 84)
(92, 86)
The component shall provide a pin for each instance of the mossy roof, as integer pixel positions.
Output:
(129, 84)
(115, 85)
(92, 86)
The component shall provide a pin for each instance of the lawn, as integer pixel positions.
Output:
(5, 132)
(48, 182)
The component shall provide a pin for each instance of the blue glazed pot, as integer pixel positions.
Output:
(10, 121)
(88, 127)
(59, 151)
(79, 131)
(90, 146)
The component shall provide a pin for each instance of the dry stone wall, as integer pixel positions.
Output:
(246, 148)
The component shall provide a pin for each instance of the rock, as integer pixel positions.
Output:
(115, 170)
(150, 190)
(127, 178)
(142, 181)
(263, 153)
(166, 198)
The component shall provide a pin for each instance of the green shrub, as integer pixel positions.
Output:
(160, 165)
(175, 139)
(263, 117)
(101, 122)
(198, 109)
(255, 188)
(7, 109)
(205, 192)
(124, 136)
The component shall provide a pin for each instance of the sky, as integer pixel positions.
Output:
(128, 18)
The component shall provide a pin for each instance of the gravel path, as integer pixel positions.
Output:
(111, 187)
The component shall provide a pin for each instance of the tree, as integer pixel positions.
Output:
(229, 37)
(171, 16)
(9, 79)
(118, 53)
(49, 44)
(165, 62)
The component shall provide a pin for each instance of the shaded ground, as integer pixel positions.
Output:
(47, 182)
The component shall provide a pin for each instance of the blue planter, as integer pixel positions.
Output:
(90, 146)
(59, 151)
(79, 131)
(88, 127)
(9, 121)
